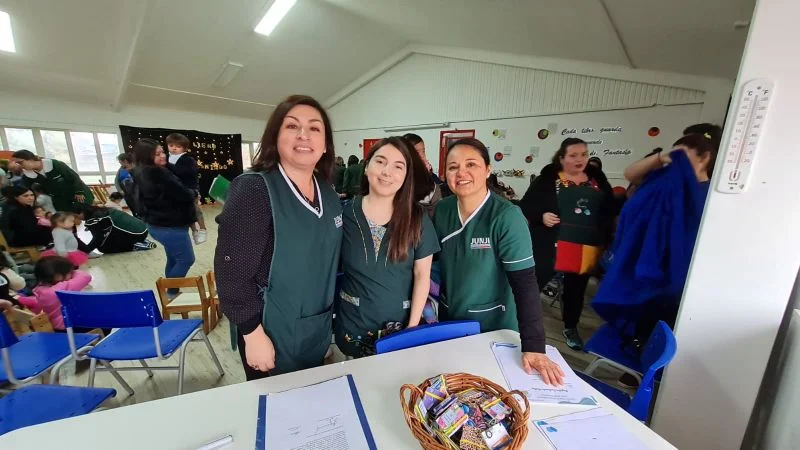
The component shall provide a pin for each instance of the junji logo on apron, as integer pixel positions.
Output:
(480, 243)
(338, 221)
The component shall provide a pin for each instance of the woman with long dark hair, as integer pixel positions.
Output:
(387, 251)
(18, 222)
(571, 205)
(279, 240)
(165, 205)
(487, 264)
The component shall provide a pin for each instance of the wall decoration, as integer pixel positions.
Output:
(567, 131)
(499, 133)
(529, 159)
(611, 130)
(586, 130)
(543, 134)
(367, 144)
(498, 156)
(445, 139)
(507, 150)
(654, 131)
(216, 154)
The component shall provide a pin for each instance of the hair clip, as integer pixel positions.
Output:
(707, 136)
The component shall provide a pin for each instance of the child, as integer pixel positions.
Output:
(41, 217)
(64, 240)
(10, 281)
(115, 200)
(54, 274)
(185, 167)
(42, 199)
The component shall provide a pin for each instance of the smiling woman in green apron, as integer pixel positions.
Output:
(57, 179)
(569, 208)
(387, 252)
(279, 240)
(486, 260)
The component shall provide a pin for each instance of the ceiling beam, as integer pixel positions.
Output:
(621, 44)
(132, 51)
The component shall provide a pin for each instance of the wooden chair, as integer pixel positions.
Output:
(31, 252)
(213, 298)
(23, 321)
(185, 302)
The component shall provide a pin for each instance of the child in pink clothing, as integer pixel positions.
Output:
(64, 240)
(54, 273)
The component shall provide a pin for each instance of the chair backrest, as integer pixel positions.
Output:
(109, 309)
(659, 350)
(162, 284)
(212, 284)
(7, 336)
(427, 334)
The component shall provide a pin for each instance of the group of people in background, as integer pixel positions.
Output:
(300, 215)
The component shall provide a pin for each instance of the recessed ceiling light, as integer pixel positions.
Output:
(6, 36)
(274, 14)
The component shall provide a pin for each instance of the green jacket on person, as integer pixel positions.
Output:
(352, 179)
(61, 183)
(338, 179)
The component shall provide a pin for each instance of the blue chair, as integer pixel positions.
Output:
(40, 403)
(427, 334)
(142, 333)
(32, 355)
(656, 354)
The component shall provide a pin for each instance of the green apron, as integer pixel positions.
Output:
(579, 211)
(375, 291)
(299, 295)
(475, 258)
(62, 184)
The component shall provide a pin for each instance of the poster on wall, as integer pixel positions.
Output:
(216, 154)
(445, 139)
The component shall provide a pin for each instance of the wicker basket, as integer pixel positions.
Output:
(457, 382)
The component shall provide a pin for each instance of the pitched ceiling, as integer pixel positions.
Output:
(169, 52)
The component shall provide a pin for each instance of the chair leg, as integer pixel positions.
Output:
(184, 315)
(213, 355)
(593, 366)
(147, 368)
(92, 371)
(181, 366)
(119, 378)
(206, 324)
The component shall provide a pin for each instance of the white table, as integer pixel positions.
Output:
(190, 420)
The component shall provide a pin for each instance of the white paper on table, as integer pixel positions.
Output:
(509, 358)
(596, 429)
(319, 416)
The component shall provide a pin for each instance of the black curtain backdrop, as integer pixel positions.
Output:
(216, 154)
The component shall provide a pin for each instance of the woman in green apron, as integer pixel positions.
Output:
(57, 179)
(569, 208)
(387, 251)
(486, 260)
(278, 247)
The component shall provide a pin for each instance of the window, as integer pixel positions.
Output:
(109, 149)
(20, 139)
(247, 159)
(85, 151)
(55, 146)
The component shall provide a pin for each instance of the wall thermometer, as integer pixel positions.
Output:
(751, 112)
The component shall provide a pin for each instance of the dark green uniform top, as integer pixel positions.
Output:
(475, 256)
(61, 183)
(374, 289)
(338, 179)
(298, 298)
(352, 179)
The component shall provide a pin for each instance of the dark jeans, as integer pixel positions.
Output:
(249, 372)
(178, 246)
(120, 242)
(572, 298)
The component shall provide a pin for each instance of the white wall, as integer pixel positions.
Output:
(629, 145)
(30, 111)
(745, 263)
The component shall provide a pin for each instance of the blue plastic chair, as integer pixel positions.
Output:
(32, 355)
(40, 403)
(427, 334)
(656, 354)
(142, 333)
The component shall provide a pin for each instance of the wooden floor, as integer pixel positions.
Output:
(139, 270)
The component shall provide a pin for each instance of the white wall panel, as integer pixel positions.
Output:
(426, 89)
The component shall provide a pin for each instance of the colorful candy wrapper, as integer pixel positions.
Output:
(435, 393)
(496, 409)
(496, 437)
(471, 439)
(451, 419)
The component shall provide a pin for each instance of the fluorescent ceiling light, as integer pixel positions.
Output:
(229, 70)
(274, 14)
(6, 36)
